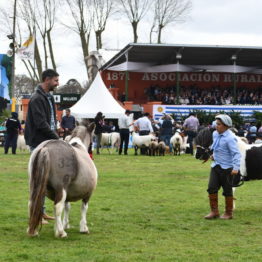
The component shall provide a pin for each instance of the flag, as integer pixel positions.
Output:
(4, 91)
(27, 50)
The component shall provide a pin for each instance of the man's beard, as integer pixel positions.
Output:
(52, 88)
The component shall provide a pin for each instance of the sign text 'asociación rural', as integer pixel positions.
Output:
(187, 77)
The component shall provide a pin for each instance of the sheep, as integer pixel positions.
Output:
(153, 148)
(142, 141)
(21, 143)
(162, 148)
(110, 140)
(176, 141)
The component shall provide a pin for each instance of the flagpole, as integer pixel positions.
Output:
(13, 61)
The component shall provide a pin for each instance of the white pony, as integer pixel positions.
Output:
(65, 173)
(110, 140)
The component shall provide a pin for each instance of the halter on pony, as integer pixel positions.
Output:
(203, 142)
(206, 151)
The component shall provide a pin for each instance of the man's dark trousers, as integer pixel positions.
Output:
(124, 137)
(11, 139)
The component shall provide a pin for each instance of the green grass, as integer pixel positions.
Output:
(144, 209)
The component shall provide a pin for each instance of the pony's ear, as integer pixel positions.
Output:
(91, 127)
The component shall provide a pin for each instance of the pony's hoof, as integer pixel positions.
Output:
(61, 234)
(35, 234)
(84, 230)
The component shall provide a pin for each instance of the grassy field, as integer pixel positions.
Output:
(144, 209)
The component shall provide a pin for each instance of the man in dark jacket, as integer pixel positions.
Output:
(68, 123)
(166, 130)
(99, 121)
(41, 116)
(13, 127)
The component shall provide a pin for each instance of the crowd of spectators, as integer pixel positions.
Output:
(194, 95)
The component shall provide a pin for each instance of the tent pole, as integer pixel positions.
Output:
(234, 89)
(178, 57)
(126, 85)
(234, 58)
(177, 87)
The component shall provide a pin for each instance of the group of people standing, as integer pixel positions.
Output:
(145, 125)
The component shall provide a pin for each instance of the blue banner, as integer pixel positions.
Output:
(4, 91)
(184, 110)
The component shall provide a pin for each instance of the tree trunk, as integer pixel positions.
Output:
(151, 33)
(134, 25)
(45, 52)
(98, 39)
(38, 60)
(51, 49)
(159, 34)
(84, 43)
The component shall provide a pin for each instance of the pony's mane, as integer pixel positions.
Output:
(204, 137)
(79, 132)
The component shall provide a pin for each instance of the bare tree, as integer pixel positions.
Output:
(23, 85)
(152, 29)
(83, 19)
(71, 87)
(102, 10)
(135, 10)
(27, 14)
(51, 7)
(45, 11)
(6, 26)
(170, 11)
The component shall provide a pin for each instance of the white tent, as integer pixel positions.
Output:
(97, 99)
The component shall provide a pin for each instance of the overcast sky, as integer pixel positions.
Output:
(212, 22)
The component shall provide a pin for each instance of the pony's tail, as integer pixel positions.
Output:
(38, 180)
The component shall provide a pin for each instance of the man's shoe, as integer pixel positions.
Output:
(47, 217)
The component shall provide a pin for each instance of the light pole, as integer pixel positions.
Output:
(13, 61)
(178, 57)
(234, 58)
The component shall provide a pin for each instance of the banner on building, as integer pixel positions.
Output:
(183, 110)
